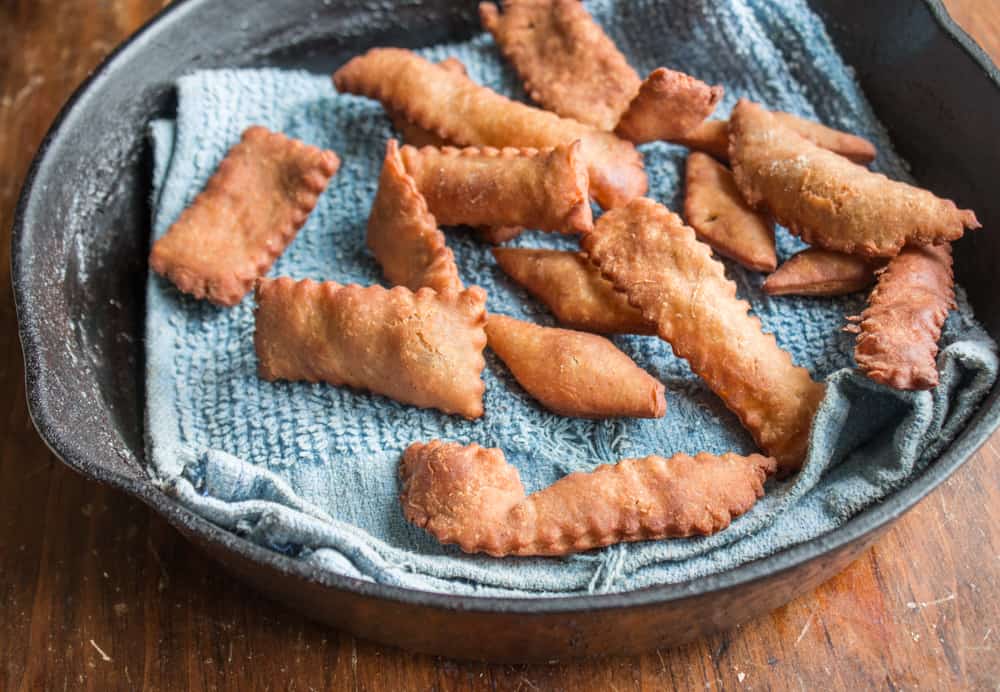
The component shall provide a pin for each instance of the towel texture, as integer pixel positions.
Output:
(311, 470)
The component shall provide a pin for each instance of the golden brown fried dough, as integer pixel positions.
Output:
(471, 496)
(496, 235)
(574, 290)
(649, 254)
(567, 62)
(248, 213)
(421, 348)
(829, 201)
(414, 135)
(669, 105)
(574, 373)
(712, 137)
(544, 189)
(899, 330)
(403, 234)
(458, 110)
(715, 210)
(816, 272)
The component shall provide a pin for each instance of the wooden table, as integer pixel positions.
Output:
(97, 592)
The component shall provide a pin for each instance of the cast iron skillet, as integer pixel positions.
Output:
(79, 265)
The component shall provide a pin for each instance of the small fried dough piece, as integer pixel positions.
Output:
(458, 110)
(669, 105)
(471, 497)
(828, 200)
(497, 235)
(543, 189)
(403, 234)
(567, 62)
(421, 348)
(715, 210)
(817, 272)
(573, 289)
(899, 330)
(712, 137)
(651, 256)
(573, 373)
(250, 210)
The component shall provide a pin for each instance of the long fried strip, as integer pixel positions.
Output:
(712, 137)
(471, 496)
(248, 213)
(421, 348)
(715, 210)
(574, 290)
(567, 62)
(573, 373)
(544, 189)
(818, 272)
(669, 105)
(649, 254)
(898, 332)
(403, 234)
(828, 200)
(458, 110)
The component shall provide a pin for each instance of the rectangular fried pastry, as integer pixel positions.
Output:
(422, 348)
(543, 189)
(248, 213)
(456, 109)
(648, 253)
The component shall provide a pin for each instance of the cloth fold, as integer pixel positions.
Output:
(311, 470)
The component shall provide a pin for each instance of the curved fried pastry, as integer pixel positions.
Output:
(248, 213)
(574, 373)
(573, 289)
(715, 210)
(828, 200)
(567, 62)
(471, 496)
(458, 110)
(414, 135)
(669, 104)
(712, 137)
(651, 256)
(421, 348)
(403, 234)
(899, 330)
(817, 272)
(544, 189)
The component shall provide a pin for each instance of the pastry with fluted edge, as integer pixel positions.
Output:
(471, 497)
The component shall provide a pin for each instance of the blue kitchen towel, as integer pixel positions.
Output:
(311, 470)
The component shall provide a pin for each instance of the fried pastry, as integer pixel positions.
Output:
(496, 235)
(573, 289)
(715, 210)
(650, 255)
(422, 348)
(818, 272)
(898, 332)
(828, 200)
(414, 135)
(248, 213)
(471, 497)
(567, 62)
(403, 234)
(668, 105)
(458, 110)
(544, 189)
(573, 373)
(712, 137)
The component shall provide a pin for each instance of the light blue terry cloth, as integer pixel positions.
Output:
(311, 470)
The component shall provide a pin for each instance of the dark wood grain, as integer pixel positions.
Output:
(98, 593)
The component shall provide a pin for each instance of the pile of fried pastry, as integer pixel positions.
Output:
(475, 158)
